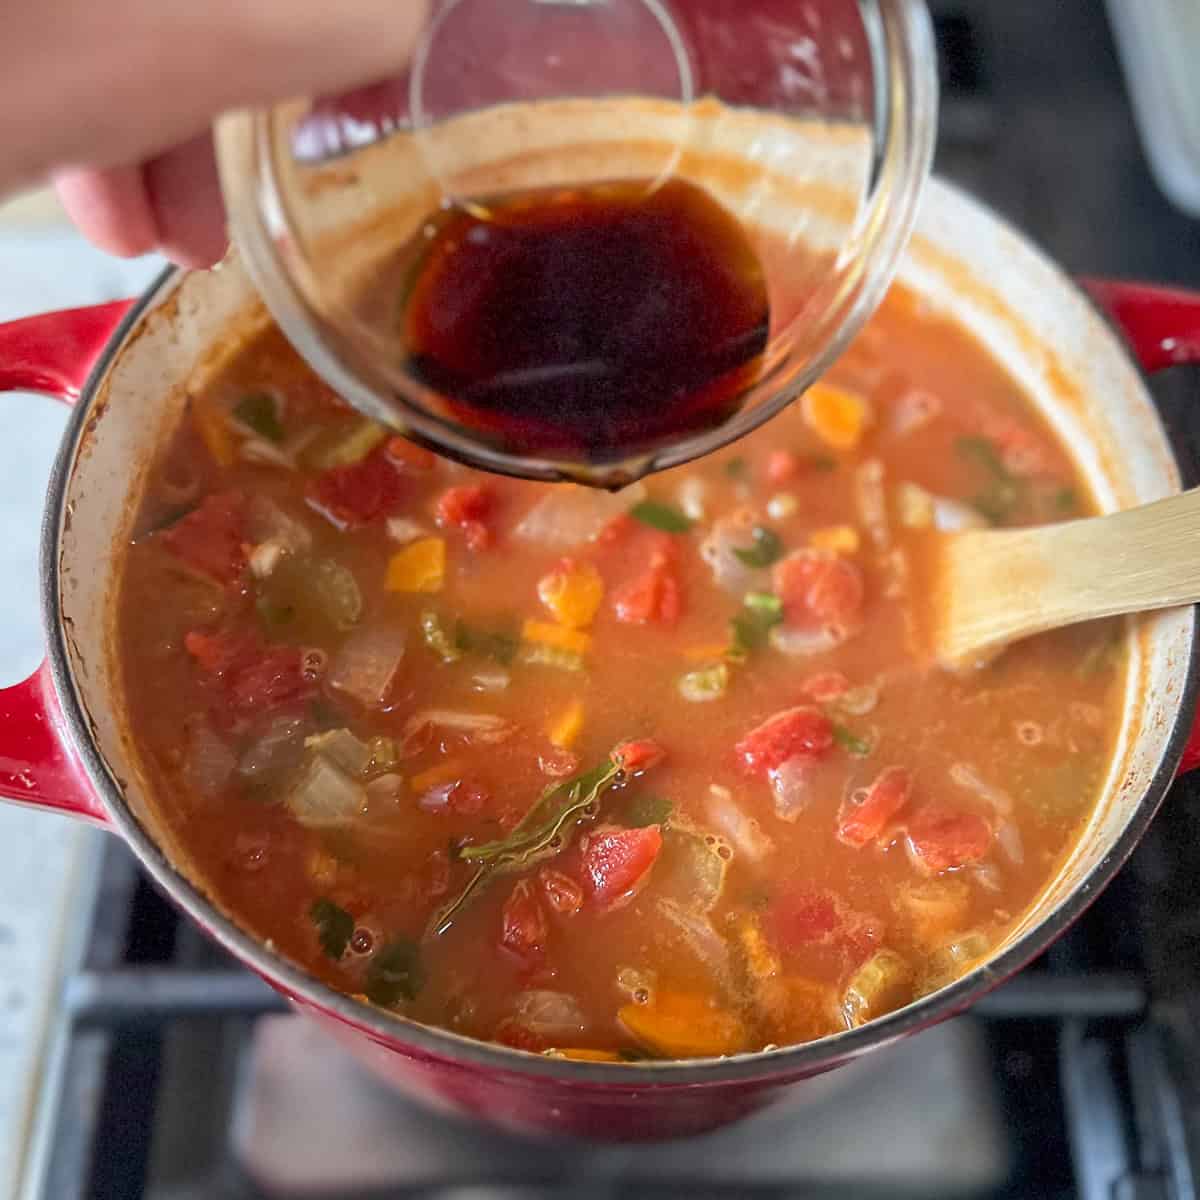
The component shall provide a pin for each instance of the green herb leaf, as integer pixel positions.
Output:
(259, 412)
(334, 926)
(859, 747)
(737, 468)
(1065, 500)
(539, 834)
(982, 451)
(767, 548)
(499, 646)
(660, 516)
(648, 810)
(823, 462)
(395, 973)
(764, 602)
(998, 502)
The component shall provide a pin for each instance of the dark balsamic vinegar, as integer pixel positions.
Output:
(588, 324)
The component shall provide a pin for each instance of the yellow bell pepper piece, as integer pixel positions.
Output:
(581, 1055)
(836, 416)
(572, 593)
(565, 729)
(419, 567)
(837, 539)
(213, 427)
(560, 638)
(684, 1025)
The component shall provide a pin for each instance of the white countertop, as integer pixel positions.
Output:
(43, 266)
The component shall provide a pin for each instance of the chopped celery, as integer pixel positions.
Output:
(336, 591)
(882, 983)
(498, 645)
(342, 749)
(437, 639)
(648, 810)
(545, 655)
(704, 685)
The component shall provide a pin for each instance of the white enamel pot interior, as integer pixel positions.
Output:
(964, 261)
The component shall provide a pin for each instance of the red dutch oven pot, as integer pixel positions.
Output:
(65, 744)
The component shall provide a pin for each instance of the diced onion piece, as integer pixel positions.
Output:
(553, 1015)
(637, 984)
(367, 663)
(691, 497)
(325, 796)
(837, 416)
(966, 776)
(743, 831)
(385, 789)
(1008, 838)
(403, 530)
(209, 761)
(858, 701)
(881, 984)
(342, 749)
(492, 679)
(350, 448)
(699, 936)
(914, 409)
(783, 505)
(731, 533)
(871, 503)
(267, 521)
(952, 516)
(279, 748)
(791, 788)
(568, 516)
(802, 643)
(710, 683)
(261, 452)
(914, 505)
(265, 557)
(486, 728)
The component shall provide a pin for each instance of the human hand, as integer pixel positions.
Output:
(114, 101)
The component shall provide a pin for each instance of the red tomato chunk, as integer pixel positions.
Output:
(654, 596)
(257, 678)
(524, 931)
(943, 838)
(819, 588)
(359, 494)
(862, 822)
(465, 508)
(209, 539)
(801, 733)
(616, 862)
(639, 755)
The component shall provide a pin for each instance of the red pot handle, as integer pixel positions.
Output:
(53, 354)
(1162, 327)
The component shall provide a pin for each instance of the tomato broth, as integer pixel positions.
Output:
(652, 774)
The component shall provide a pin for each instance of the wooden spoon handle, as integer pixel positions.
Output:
(997, 586)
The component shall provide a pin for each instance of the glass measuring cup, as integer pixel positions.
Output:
(811, 121)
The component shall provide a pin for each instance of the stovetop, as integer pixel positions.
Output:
(183, 1077)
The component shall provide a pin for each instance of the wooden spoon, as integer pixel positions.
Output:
(992, 587)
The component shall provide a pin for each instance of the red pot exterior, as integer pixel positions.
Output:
(40, 765)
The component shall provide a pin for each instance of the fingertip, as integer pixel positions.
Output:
(110, 207)
(188, 209)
